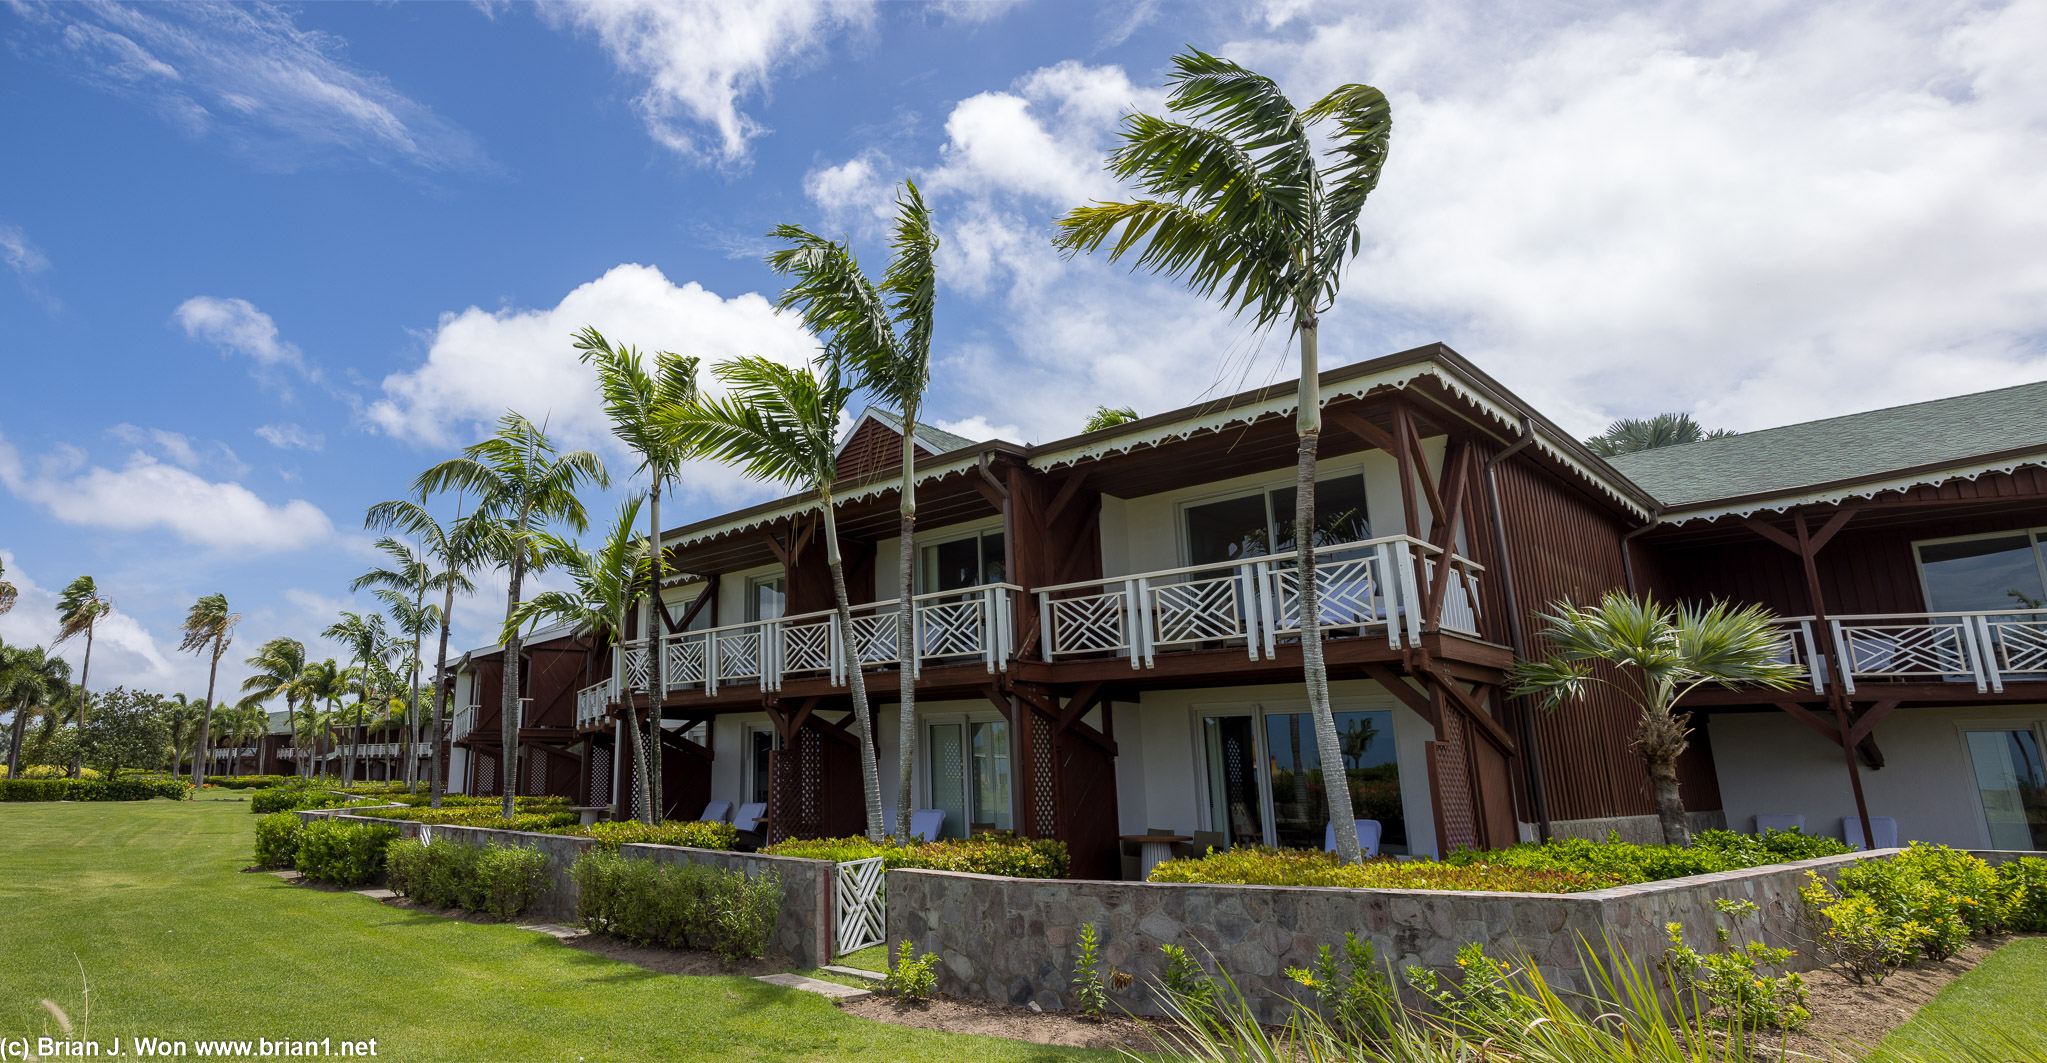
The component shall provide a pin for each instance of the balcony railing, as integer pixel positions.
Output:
(1983, 648)
(465, 721)
(592, 701)
(952, 627)
(1366, 588)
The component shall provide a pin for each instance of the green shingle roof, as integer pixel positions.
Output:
(1857, 446)
(937, 440)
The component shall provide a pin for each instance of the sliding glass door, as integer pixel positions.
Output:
(1264, 783)
(969, 775)
(2012, 782)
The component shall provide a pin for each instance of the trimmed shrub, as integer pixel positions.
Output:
(346, 854)
(249, 782)
(292, 798)
(677, 905)
(26, 789)
(277, 839)
(490, 815)
(689, 834)
(987, 854)
(1946, 892)
(2024, 882)
(1252, 865)
(499, 880)
(56, 771)
(1617, 863)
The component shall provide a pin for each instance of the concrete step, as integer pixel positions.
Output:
(855, 972)
(813, 985)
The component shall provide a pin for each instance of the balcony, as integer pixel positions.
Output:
(592, 702)
(1372, 588)
(465, 721)
(953, 627)
(1986, 649)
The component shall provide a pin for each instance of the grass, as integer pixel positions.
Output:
(146, 898)
(2007, 992)
(871, 958)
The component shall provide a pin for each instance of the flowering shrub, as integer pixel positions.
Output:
(1856, 936)
(1482, 1000)
(1252, 865)
(1948, 893)
(986, 854)
(1353, 996)
(686, 833)
(1617, 863)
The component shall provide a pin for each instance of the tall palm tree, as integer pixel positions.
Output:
(1232, 201)
(1659, 654)
(364, 636)
(521, 484)
(32, 681)
(606, 584)
(250, 724)
(208, 628)
(182, 714)
(312, 722)
(632, 397)
(1631, 434)
(280, 669)
(79, 609)
(885, 332)
(8, 593)
(777, 424)
(403, 589)
(456, 548)
(323, 681)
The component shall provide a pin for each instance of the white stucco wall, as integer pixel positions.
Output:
(1770, 763)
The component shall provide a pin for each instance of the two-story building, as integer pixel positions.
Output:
(1106, 635)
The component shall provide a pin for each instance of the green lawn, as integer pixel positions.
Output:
(175, 943)
(2002, 1004)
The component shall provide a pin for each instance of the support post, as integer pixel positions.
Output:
(1837, 692)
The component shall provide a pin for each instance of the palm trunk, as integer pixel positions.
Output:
(206, 720)
(508, 695)
(870, 771)
(1670, 806)
(14, 741)
(1315, 672)
(906, 631)
(84, 676)
(440, 697)
(649, 761)
(639, 743)
(411, 746)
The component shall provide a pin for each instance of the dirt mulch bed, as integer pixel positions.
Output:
(674, 961)
(955, 1015)
(1848, 1018)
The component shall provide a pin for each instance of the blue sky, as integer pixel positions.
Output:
(264, 264)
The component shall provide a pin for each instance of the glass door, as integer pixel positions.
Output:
(1236, 794)
(970, 777)
(1300, 811)
(990, 748)
(948, 778)
(2012, 783)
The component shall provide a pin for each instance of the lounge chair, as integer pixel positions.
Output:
(1368, 837)
(750, 815)
(1885, 827)
(716, 812)
(925, 823)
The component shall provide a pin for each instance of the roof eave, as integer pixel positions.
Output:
(1835, 491)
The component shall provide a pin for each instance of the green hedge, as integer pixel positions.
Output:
(1252, 865)
(987, 854)
(346, 854)
(250, 782)
(542, 820)
(677, 905)
(501, 880)
(2024, 882)
(277, 839)
(687, 833)
(1617, 863)
(91, 790)
(288, 798)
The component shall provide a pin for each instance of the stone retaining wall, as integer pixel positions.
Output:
(1014, 940)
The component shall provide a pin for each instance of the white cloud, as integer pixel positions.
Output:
(19, 252)
(146, 493)
(287, 436)
(277, 94)
(856, 192)
(183, 450)
(237, 327)
(977, 428)
(700, 58)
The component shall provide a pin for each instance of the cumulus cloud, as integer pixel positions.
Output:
(146, 494)
(699, 59)
(289, 436)
(247, 75)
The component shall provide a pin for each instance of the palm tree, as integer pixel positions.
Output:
(182, 714)
(7, 591)
(79, 608)
(606, 584)
(280, 666)
(1658, 654)
(632, 397)
(1234, 203)
(323, 681)
(457, 548)
(1109, 417)
(521, 484)
(307, 729)
(777, 423)
(364, 636)
(885, 332)
(403, 589)
(32, 682)
(250, 723)
(1630, 434)
(208, 628)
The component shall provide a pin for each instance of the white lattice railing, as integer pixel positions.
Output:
(951, 627)
(593, 701)
(1983, 648)
(859, 906)
(1365, 588)
(465, 721)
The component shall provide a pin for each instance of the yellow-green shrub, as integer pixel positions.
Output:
(1252, 865)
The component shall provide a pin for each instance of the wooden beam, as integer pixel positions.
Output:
(997, 698)
(1472, 709)
(1870, 717)
(1355, 423)
(706, 596)
(1456, 474)
(1408, 695)
(1421, 467)
(1772, 533)
(1832, 525)
(775, 546)
(1077, 705)
(1805, 716)
(1067, 490)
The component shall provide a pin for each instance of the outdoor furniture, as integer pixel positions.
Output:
(1368, 837)
(1885, 827)
(1204, 840)
(1778, 822)
(925, 823)
(1153, 850)
(591, 813)
(750, 815)
(716, 812)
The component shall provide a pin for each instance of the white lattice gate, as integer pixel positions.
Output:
(859, 906)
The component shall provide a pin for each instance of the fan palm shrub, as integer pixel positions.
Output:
(1231, 200)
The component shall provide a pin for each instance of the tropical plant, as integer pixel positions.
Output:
(403, 588)
(1631, 434)
(8, 593)
(33, 681)
(247, 725)
(181, 717)
(1109, 417)
(521, 484)
(884, 333)
(1655, 655)
(777, 424)
(632, 399)
(605, 584)
(364, 636)
(323, 681)
(457, 549)
(280, 669)
(208, 628)
(79, 609)
(1232, 201)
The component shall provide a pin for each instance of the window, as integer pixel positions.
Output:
(1984, 573)
(972, 561)
(1264, 777)
(764, 598)
(1260, 524)
(2012, 783)
(970, 779)
(759, 743)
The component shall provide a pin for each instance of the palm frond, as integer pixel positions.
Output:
(1364, 133)
(1186, 244)
(1250, 108)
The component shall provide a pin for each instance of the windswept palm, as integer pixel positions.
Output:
(1233, 202)
(366, 640)
(884, 332)
(521, 484)
(208, 628)
(403, 587)
(79, 609)
(606, 584)
(1657, 654)
(280, 670)
(777, 424)
(633, 399)
(32, 682)
(324, 681)
(457, 549)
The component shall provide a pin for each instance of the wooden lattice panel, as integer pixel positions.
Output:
(533, 782)
(1044, 782)
(1453, 786)
(484, 781)
(600, 776)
